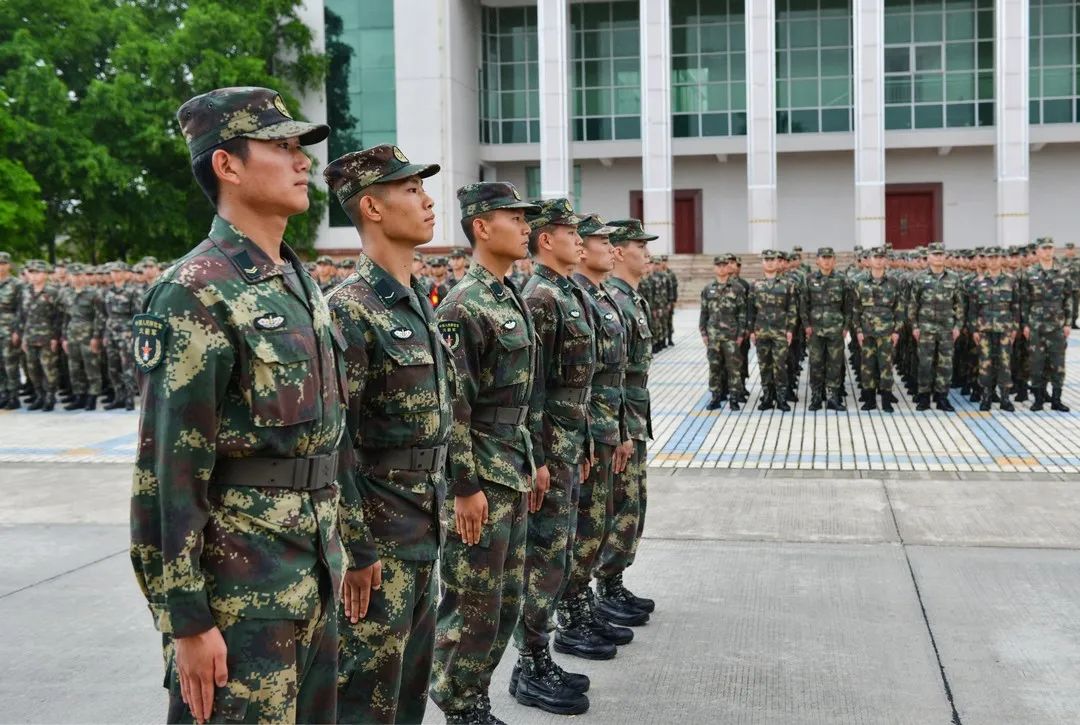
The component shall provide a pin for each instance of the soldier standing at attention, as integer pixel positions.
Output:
(673, 298)
(582, 631)
(722, 325)
(994, 318)
(457, 268)
(490, 333)
(1072, 264)
(561, 450)
(121, 304)
(325, 274)
(936, 314)
(234, 511)
(827, 306)
(771, 319)
(84, 326)
(877, 313)
(10, 299)
(439, 285)
(38, 333)
(744, 349)
(398, 426)
(1048, 291)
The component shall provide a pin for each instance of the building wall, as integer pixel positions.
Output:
(1054, 209)
(816, 200)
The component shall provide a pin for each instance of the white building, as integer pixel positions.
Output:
(726, 125)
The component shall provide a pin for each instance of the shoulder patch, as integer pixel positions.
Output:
(451, 332)
(148, 339)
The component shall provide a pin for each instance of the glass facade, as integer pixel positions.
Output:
(532, 183)
(708, 68)
(939, 63)
(605, 52)
(813, 66)
(361, 101)
(509, 77)
(1055, 61)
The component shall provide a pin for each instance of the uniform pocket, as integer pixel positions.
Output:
(515, 362)
(409, 379)
(578, 354)
(280, 378)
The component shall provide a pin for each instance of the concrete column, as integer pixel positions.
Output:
(1011, 120)
(869, 86)
(761, 123)
(553, 31)
(656, 172)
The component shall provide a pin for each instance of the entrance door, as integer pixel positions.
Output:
(912, 217)
(687, 212)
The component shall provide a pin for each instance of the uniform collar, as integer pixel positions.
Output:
(484, 276)
(622, 284)
(554, 277)
(389, 290)
(252, 263)
(596, 291)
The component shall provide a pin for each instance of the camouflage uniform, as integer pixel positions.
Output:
(877, 313)
(936, 308)
(234, 511)
(84, 321)
(121, 304)
(39, 327)
(662, 297)
(1047, 293)
(1072, 264)
(400, 385)
(489, 330)
(10, 355)
(722, 322)
(995, 315)
(773, 312)
(673, 299)
(827, 306)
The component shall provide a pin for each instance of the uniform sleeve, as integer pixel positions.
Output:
(98, 327)
(804, 302)
(542, 309)
(356, 537)
(467, 360)
(1014, 304)
(856, 308)
(792, 307)
(175, 460)
(1066, 298)
(703, 317)
(958, 306)
(1024, 289)
(911, 311)
(751, 309)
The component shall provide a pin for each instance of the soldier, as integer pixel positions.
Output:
(582, 631)
(560, 432)
(522, 272)
(83, 328)
(10, 300)
(325, 274)
(792, 270)
(1072, 264)
(490, 333)
(827, 306)
(615, 602)
(344, 268)
(647, 289)
(440, 284)
(994, 318)
(722, 325)
(38, 332)
(1048, 291)
(661, 297)
(771, 319)
(457, 267)
(877, 314)
(234, 515)
(121, 304)
(744, 349)
(398, 425)
(935, 315)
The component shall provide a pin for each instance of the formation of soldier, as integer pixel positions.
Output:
(65, 333)
(989, 321)
(347, 503)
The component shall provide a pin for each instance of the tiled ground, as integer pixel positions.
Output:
(688, 436)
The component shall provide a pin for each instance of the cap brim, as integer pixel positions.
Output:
(421, 170)
(604, 231)
(309, 133)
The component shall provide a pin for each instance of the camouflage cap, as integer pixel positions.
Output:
(935, 248)
(1045, 242)
(488, 196)
(347, 264)
(75, 268)
(553, 211)
(720, 259)
(826, 252)
(325, 259)
(771, 254)
(662, 258)
(36, 265)
(457, 254)
(595, 226)
(993, 252)
(797, 249)
(350, 174)
(879, 252)
(211, 119)
(1070, 245)
(5, 258)
(119, 266)
(148, 260)
(437, 262)
(629, 230)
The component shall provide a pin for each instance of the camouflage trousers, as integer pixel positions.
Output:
(669, 322)
(826, 363)
(1021, 362)
(280, 671)
(384, 660)
(629, 499)
(42, 368)
(1047, 349)
(594, 520)
(10, 358)
(121, 362)
(935, 360)
(772, 357)
(876, 363)
(548, 548)
(995, 361)
(481, 599)
(725, 365)
(84, 367)
(1075, 305)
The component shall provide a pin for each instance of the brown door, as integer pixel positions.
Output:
(687, 211)
(910, 218)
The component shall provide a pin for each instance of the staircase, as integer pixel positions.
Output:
(696, 270)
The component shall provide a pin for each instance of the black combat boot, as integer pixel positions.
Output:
(107, 396)
(607, 630)
(1055, 401)
(976, 394)
(577, 683)
(715, 402)
(922, 401)
(26, 389)
(129, 402)
(886, 402)
(76, 403)
(815, 402)
(540, 686)
(483, 711)
(836, 403)
(575, 637)
(782, 404)
(618, 589)
(66, 397)
(473, 716)
(986, 403)
(117, 403)
(1040, 399)
(1021, 394)
(869, 400)
(944, 404)
(91, 402)
(733, 402)
(3, 399)
(1006, 404)
(889, 394)
(50, 403)
(36, 402)
(766, 403)
(13, 402)
(611, 606)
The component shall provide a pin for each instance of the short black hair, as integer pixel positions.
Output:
(202, 166)
(466, 225)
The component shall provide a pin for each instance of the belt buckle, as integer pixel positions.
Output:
(422, 458)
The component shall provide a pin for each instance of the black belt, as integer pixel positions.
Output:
(299, 474)
(405, 459)
(514, 415)
(636, 380)
(607, 380)
(569, 395)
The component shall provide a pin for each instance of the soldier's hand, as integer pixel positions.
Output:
(201, 664)
(356, 590)
(976, 336)
(809, 332)
(470, 514)
(860, 337)
(895, 337)
(1067, 328)
(753, 338)
(541, 484)
(1027, 332)
(54, 345)
(622, 456)
(1012, 336)
(14, 339)
(915, 333)
(955, 334)
(789, 337)
(95, 345)
(64, 344)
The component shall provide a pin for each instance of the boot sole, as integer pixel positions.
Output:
(529, 701)
(563, 649)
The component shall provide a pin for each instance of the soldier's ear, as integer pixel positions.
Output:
(226, 167)
(617, 250)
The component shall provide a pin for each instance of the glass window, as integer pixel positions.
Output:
(814, 66)
(707, 69)
(606, 45)
(1054, 61)
(509, 77)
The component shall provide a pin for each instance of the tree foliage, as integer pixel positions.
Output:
(88, 95)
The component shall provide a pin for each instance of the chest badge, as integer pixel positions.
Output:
(148, 339)
(641, 320)
(609, 316)
(269, 322)
(510, 324)
(575, 313)
(401, 333)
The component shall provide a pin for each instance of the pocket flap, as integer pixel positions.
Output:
(278, 347)
(514, 340)
(409, 354)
